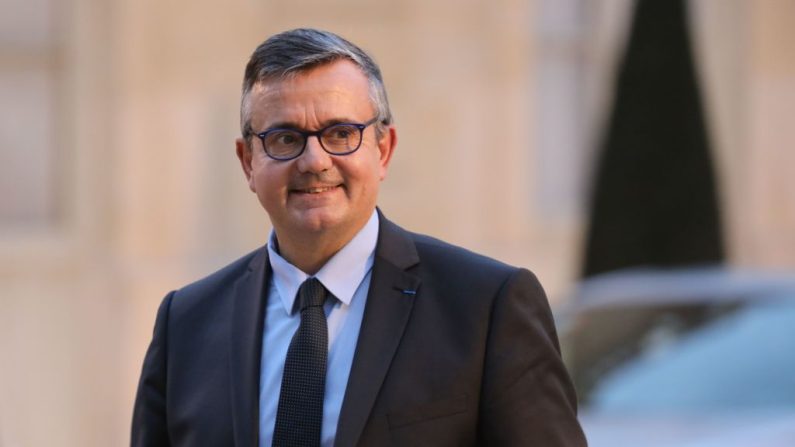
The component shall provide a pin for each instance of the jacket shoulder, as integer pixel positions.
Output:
(458, 265)
(219, 282)
(433, 249)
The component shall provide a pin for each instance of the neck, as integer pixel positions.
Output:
(307, 254)
(310, 252)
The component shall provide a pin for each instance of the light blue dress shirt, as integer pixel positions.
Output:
(347, 277)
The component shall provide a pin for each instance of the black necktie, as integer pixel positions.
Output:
(300, 414)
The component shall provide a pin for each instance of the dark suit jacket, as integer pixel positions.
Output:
(455, 349)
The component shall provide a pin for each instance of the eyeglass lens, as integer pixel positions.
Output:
(336, 139)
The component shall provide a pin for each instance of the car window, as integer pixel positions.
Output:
(685, 357)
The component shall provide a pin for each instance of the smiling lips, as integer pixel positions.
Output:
(316, 189)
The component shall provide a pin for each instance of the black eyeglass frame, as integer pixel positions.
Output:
(317, 133)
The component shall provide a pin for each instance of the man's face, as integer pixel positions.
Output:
(316, 193)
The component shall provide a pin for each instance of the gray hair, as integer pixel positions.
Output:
(299, 50)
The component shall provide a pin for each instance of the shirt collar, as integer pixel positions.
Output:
(341, 275)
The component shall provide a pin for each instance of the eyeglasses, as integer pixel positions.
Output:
(336, 139)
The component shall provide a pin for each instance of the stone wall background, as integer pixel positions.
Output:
(119, 181)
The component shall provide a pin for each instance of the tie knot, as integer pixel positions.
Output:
(311, 293)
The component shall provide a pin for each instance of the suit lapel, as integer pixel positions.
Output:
(248, 312)
(389, 303)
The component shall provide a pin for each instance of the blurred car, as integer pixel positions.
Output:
(691, 358)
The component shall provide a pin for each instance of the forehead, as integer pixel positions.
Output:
(337, 90)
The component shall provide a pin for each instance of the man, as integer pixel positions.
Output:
(345, 329)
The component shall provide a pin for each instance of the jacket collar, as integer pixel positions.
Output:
(393, 290)
(245, 348)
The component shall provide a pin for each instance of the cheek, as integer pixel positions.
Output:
(269, 196)
(378, 169)
(269, 182)
(371, 176)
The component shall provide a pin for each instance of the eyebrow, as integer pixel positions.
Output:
(323, 125)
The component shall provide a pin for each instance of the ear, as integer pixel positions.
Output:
(386, 147)
(244, 155)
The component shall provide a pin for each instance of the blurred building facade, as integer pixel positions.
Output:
(118, 180)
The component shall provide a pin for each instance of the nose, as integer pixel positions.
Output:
(314, 159)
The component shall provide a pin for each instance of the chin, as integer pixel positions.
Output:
(317, 221)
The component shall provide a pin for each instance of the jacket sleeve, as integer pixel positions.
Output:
(149, 424)
(527, 396)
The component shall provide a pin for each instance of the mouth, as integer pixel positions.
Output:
(315, 189)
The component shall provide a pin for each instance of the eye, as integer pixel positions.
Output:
(286, 138)
(341, 132)
(283, 138)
